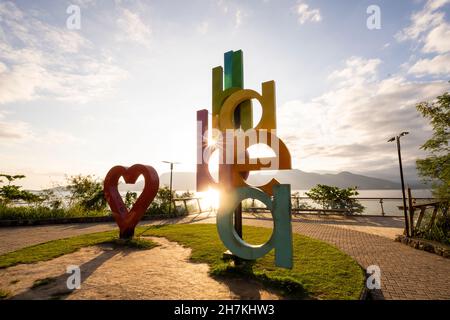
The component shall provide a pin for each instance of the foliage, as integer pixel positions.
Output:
(43, 212)
(161, 203)
(332, 198)
(439, 231)
(10, 192)
(320, 270)
(186, 194)
(130, 199)
(436, 167)
(86, 192)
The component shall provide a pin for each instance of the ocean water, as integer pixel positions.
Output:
(380, 201)
(391, 200)
(420, 193)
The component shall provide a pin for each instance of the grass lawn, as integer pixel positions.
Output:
(320, 270)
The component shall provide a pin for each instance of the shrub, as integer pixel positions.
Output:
(86, 192)
(331, 198)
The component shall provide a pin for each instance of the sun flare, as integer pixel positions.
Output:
(211, 199)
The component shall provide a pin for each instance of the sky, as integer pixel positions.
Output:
(124, 87)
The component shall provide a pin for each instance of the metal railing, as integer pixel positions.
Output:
(378, 206)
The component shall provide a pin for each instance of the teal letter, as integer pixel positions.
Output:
(281, 239)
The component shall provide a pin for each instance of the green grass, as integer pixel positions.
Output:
(56, 248)
(4, 294)
(320, 270)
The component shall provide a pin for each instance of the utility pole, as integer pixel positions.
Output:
(170, 187)
(405, 212)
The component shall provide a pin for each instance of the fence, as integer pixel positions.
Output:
(372, 206)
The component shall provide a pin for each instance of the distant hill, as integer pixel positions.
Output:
(298, 179)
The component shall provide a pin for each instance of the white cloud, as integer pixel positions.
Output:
(203, 28)
(133, 29)
(357, 70)
(439, 65)
(305, 14)
(41, 60)
(423, 20)
(432, 33)
(13, 130)
(347, 127)
(222, 6)
(238, 18)
(438, 40)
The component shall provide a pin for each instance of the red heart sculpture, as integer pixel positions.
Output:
(127, 220)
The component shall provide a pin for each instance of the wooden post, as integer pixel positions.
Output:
(419, 220)
(185, 206)
(433, 216)
(411, 213)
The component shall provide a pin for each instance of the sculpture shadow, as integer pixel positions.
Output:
(246, 285)
(55, 288)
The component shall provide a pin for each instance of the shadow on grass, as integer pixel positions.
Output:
(240, 277)
(56, 287)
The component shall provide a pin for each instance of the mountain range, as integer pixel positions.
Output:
(299, 180)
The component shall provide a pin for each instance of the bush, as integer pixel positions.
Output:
(42, 212)
(334, 198)
(439, 231)
(160, 204)
(86, 192)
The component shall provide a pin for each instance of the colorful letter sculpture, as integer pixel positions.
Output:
(233, 133)
(281, 239)
(127, 220)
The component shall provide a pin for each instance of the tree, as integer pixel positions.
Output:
(130, 199)
(86, 192)
(436, 167)
(12, 192)
(161, 203)
(331, 198)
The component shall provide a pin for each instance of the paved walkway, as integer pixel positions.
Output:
(406, 273)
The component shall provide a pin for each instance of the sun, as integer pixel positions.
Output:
(211, 199)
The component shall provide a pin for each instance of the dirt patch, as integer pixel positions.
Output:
(163, 272)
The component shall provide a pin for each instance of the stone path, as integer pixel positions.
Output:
(406, 273)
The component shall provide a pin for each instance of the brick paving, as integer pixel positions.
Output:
(406, 273)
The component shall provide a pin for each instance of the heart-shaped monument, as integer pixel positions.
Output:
(127, 220)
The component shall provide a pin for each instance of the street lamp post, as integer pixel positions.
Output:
(171, 171)
(405, 212)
